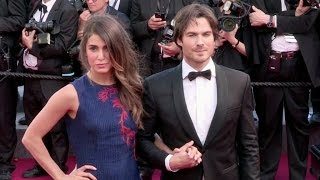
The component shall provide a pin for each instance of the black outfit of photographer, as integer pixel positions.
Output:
(38, 91)
(297, 66)
(122, 17)
(147, 39)
(12, 18)
(229, 56)
(124, 6)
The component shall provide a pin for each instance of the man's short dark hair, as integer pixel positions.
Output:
(189, 14)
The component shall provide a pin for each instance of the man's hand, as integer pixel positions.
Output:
(171, 49)
(28, 38)
(156, 23)
(258, 17)
(186, 156)
(300, 10)
(84, 16)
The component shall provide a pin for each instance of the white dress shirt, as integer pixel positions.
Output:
(201, 100)
(284, 43)
(114, 3)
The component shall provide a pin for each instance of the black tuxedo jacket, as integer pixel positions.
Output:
(125, 6)
(230, 151)
(55, 55)
(304, 30)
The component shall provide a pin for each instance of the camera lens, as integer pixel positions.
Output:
(227, 24)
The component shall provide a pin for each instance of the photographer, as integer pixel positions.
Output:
(12, 18)
(289, 51)
(46, 39)
(102, 7)
(149, 19)
(236, 46)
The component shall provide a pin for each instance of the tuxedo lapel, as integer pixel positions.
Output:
(181, 107)
(34, 8)
(54, 10)
(222, 95)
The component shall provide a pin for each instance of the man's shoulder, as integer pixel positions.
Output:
(232, 73)
(163, 76)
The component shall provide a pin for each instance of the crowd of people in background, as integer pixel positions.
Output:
(164, 84)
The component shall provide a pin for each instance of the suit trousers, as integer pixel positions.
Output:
(269, 107)
(8, 104)
(56, 141)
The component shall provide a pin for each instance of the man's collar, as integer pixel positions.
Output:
(186, 68)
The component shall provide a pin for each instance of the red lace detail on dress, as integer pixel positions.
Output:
(127, 133)
(106, 93)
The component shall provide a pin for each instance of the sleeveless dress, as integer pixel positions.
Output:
(103, 132)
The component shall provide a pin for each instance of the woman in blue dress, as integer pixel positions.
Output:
(102, 109)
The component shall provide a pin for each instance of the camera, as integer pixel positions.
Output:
(43, 30)
(232, 13)
(167, 33)
(160, 15)
(40, 27)
(73, 66)
(313, 3)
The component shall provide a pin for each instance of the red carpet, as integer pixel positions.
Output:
(24, 164)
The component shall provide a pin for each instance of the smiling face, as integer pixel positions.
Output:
(98, 55)
(197, 43)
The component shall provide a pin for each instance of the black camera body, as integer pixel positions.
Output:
(232, 13)
(40, 27)
(167, 34)
(43, 30)
(73, 66)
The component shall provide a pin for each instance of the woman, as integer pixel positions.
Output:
(102, 108)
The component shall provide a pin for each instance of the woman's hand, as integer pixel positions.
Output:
(81, 174)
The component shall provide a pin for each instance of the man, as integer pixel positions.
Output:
(122, 6)
(148, 29)
(102, 7)
(12, 18)
(48, 58)
(201, 108)
(289, 52)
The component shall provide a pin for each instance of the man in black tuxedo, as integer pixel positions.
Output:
(148, 29)
(48, 58)
(202, 109)
(12, 18)
(289, 52)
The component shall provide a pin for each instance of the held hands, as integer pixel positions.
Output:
(300, 10)
(28, 38)
(156, 23)
(81, 174)
(186, 156)
(258, 17)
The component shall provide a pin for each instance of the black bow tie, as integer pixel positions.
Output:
(42, 8)
(193, 75)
